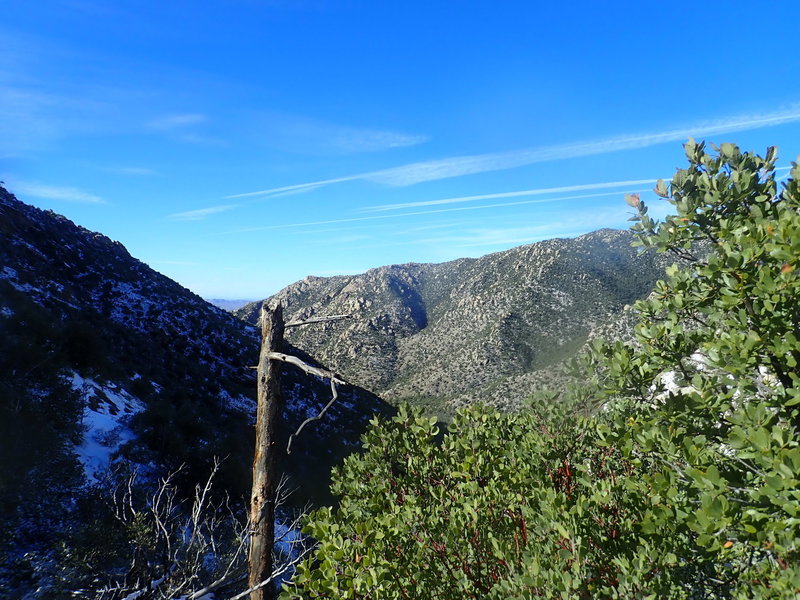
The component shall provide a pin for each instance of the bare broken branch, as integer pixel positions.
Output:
(275, 574)
(318, 320)
(305, 367)
(308, 369)
(317, 417)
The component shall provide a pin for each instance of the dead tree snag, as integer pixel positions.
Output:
(265, 459)
(265, 477)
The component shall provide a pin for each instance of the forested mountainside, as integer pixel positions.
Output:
(470, 329)
(105, 361)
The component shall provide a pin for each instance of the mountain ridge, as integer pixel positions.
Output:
(449, 330)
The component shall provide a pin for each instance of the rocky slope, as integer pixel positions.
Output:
(89, 308)
(126, 309)
(470, 329)
(104, 361)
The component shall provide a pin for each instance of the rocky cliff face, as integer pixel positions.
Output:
(460, 330)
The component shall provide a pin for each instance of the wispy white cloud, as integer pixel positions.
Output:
(143, 171)
(338, 229)
(184, 128)
(201, 213)
(458, 166)
(307, 135)
(532, 192)
(53, 192)
(31, 119)
(506, 236)
(492, 238)
(173, 122)
(289, 192)
(429, 227)
(468, 165)
(51, 90)
(297, 188)
(376, 141)
(341, 240)
(425, 212)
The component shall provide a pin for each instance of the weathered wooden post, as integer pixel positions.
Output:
(262, 498)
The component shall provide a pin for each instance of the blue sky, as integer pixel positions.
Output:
(240, 145)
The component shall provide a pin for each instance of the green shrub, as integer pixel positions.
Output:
(686, 484)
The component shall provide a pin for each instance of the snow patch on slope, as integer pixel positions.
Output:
(243, 404)
(107, 407)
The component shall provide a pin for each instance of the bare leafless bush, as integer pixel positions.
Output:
(186, 549)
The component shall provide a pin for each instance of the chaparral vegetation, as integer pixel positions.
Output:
(671, 471)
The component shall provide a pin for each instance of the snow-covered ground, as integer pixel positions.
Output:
(241, 403)
(107, 407)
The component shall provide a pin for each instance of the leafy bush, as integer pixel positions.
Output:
(686, 484)
(497, 509)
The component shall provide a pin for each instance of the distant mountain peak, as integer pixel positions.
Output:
(228, 304)
(453, 331)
